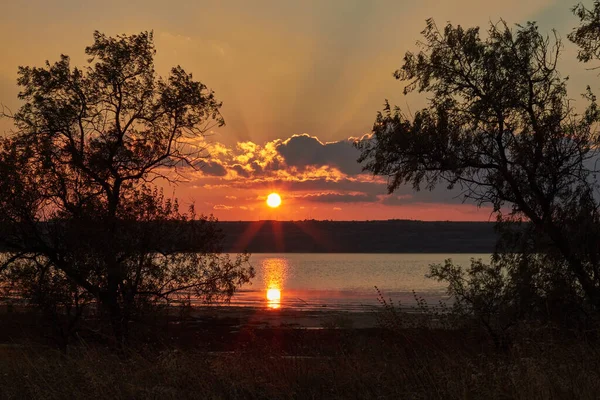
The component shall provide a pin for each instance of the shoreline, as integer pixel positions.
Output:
(264, 317)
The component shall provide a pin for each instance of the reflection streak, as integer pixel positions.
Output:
(275, 273)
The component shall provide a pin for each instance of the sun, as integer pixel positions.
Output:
(274, 200)
(273, 295)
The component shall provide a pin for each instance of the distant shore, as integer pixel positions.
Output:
(389, 236)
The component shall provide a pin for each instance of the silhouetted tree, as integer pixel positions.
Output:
(587, 34)
(499, 125)
(77, 193)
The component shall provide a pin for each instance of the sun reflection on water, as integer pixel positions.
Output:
(274, 272)
(274, 298)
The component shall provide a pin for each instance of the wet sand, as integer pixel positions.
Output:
(239, 317)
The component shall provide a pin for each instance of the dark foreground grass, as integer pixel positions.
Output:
(280, 363)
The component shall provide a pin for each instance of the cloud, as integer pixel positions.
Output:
(213, 168)
(221, 207)
(338, 197)
(298, 158)
(393, 200)
(241, 171)
(305, 150)
(308, 169)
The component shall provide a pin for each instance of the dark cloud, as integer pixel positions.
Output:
(256, 167)
(343, 185)
(393, 200)
(213, 168)
(240, 170)
(319, 184)
(304, 150)
(374, 189)
(339, 198)
(273, 165)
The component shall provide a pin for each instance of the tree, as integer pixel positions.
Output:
(499, 125)
(482, 292)
(78, 194)
(587, 34)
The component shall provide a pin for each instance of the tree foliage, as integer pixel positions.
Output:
(78, 194)
(587, 34)
(500, 126)
(482, 291)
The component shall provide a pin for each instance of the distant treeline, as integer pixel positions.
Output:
(392, 236)
(311, 236)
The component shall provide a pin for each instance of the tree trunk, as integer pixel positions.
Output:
(117, 321)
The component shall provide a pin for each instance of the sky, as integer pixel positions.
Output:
(299, 81)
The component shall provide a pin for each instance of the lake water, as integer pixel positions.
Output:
(342, 281)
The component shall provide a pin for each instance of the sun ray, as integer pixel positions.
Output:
(247, 236)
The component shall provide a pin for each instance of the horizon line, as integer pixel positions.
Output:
(356, 220)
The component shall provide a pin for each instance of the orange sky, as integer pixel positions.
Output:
(298, 81)
(315, 179)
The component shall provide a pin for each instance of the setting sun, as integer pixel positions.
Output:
(273, 294)
(273, 200)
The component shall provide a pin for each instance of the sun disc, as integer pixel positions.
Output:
(273, 294)
(274, 200)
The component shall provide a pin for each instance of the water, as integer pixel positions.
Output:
(342, 281)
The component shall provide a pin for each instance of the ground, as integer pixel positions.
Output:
(268, 354)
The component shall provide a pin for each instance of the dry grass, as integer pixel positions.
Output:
(297, 364)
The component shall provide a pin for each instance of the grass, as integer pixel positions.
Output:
(280, 363)
(231, 358)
